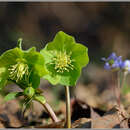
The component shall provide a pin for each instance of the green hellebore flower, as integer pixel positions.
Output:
(64, 59)
(22, 67)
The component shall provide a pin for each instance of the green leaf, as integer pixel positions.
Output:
(11, 96)
(40, 98)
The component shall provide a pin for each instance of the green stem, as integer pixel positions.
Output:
(49, 110)
(68, 111)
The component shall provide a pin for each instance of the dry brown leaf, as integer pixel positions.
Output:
(2, 125)
(13, 121)
(124, 124)
(94, 114)
(59, 124)
(82, 123)
(111, 119)
(79, 109)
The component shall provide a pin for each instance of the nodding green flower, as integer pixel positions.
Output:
(64, 59)
(22, 67)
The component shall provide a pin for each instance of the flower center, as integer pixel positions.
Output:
(63, 62)
(17, 71)
(111, 62)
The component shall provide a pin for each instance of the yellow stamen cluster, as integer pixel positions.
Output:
(62, 62)
(17, 71)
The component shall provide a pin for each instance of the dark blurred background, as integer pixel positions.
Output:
(103, 27)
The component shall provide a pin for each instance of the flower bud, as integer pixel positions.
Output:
(29, 91)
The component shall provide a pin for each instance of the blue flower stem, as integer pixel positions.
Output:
(118, 87)
(68, 111)
(123, 79)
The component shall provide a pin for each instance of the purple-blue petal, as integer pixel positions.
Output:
(103, 59)
(107, 66)
(126, 65)
(117, 61)
(115, 65)
(112, 56)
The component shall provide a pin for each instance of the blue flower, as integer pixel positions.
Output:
(107, 66)
(113, 62)
(112, 56)
(126, 65)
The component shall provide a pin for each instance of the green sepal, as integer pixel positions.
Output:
(9, 57)
(40, 98)
(53, 79)
(12, 96)
(34, 80)
(61, 42)
(71, 79)
(80, 55)
(33, 59)
(19, 43)
(36, 61)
